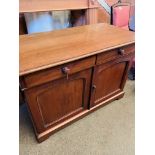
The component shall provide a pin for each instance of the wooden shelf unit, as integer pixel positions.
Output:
(30, 6)
(48, 5)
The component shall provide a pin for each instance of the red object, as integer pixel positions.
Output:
(121, 15)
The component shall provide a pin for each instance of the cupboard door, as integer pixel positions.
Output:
(108, 80)
(58, 100)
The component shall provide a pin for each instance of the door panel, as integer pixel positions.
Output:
(108, 80)
(66, 102)
(58, 100)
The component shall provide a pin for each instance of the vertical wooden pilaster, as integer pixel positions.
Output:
(92, 12)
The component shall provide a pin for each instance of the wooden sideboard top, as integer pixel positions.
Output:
(49, 49)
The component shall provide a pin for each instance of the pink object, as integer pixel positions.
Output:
(121, 15)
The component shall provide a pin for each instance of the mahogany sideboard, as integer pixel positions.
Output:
(69, 73)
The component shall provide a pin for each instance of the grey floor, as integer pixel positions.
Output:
(107, 131)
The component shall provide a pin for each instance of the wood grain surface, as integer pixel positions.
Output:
(45, 50)
(47, 5)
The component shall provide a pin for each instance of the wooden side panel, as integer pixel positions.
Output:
(57, 101)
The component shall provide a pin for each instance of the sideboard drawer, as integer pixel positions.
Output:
(115, 53)
(54, 73)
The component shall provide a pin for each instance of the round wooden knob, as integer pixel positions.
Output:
(121, 51)
(94, 87)
(65, 70)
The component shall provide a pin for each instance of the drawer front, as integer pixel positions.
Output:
(54, 73)
(115, 53)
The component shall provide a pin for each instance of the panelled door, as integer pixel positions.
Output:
(108, 80)
(58, 100)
